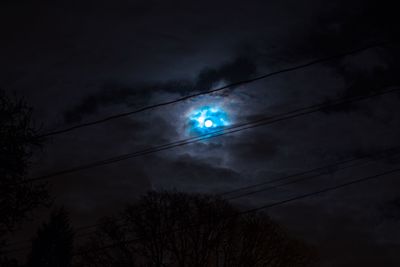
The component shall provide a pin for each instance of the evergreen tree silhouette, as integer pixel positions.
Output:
(53, 244)
(18, 141)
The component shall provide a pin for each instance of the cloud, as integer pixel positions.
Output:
(190, 173)
(390, 210)
(140, 94)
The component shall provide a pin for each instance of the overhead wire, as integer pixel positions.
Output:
(207, 92)
(233, 129)
(364, 161)
(263, 207)
(247, 125)
(322, 171)
(213, 134)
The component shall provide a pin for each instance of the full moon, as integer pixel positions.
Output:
(206, 119)
(208, 123)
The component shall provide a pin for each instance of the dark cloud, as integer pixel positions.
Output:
(196, 175)
(390, 210)
(239, 69)
(139, 95)
(109, 95)
(257, 146)
(358, 23)
(79, 60)
(347, 22)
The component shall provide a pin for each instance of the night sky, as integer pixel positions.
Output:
(78, 61)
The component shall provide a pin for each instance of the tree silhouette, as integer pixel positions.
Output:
(17, 140)
(176, 229)
(7, 262)
(54, 242)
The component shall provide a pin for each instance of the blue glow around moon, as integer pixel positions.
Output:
(207, 120)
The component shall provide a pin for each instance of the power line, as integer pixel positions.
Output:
(321, 168)
(237, 128)
(229, 130)
(332, 188)
(324, 170)
(207, 136)
(267, 75)
(365, 162)
(267, 206)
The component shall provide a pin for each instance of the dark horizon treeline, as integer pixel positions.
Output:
(170, 229)
(198, 230)
(161, 229)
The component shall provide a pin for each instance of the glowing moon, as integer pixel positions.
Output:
(207, 119)
(208, 123)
